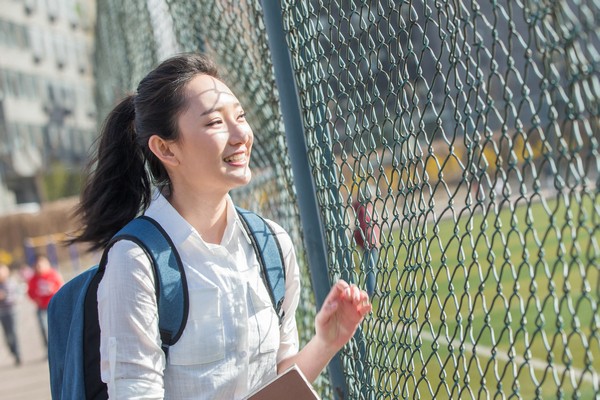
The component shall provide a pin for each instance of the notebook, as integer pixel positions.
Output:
(290, 384)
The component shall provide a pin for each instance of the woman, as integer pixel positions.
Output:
(190, 132)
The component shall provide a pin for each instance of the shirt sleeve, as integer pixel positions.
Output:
(132, 362)
(289, 343)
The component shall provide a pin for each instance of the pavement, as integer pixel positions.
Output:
(31, 379)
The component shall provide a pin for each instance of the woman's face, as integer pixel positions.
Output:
(215, 140)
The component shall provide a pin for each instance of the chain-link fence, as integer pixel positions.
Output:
(453, 149)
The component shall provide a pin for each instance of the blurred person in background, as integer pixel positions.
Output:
(8, 297)
(25, 271)
(42, 285)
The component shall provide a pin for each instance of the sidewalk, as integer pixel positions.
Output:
(30, 380)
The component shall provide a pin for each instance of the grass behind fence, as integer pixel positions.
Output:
(496, 300)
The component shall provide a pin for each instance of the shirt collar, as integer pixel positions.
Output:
(179, 229)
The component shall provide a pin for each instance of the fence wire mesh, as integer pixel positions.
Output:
(465, 131)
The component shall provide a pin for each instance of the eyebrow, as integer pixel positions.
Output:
(234, 105)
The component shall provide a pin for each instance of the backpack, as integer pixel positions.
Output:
(73, 328)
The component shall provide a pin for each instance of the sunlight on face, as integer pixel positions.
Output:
(215, 139)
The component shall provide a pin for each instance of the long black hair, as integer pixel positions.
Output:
(123, 170)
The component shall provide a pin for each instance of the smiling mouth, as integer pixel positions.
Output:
(236, 158)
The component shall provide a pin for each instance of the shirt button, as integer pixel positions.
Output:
(243, 354)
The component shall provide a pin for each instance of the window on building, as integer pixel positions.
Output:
(23, 85)
(12, 83)
(82, 56)
(10, 34)
(67, 98)
(3, 132)
(52, 10)
(60, 51)
(30, 6)
(3, 85)
(71, 12)
(38, 44)
(84, 11)
(38, 86)
(37, 136)
(20, 135)
(5, 33)
(49, 47)
(20, 36)
(30, 86)
(87, 99)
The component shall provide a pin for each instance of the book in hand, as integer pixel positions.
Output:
(290, 384)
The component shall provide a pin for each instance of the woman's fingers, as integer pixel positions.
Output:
(342, 292)
(355, 294)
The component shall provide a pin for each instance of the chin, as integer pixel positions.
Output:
(245, 179)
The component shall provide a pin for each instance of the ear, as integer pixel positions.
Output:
(162, 149)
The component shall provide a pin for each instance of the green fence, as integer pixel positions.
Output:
(469, 129)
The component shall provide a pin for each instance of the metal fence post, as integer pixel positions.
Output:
(312, 226)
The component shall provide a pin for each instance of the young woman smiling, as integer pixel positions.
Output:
(173, 151)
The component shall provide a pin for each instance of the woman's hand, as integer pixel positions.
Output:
(343, 310)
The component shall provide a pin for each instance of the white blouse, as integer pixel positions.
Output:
(232, 341)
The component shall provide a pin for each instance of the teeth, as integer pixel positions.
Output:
(236, 158)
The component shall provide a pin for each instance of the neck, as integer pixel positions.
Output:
(207, 213)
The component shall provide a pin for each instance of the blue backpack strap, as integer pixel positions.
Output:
(269, 255)
(171, 285)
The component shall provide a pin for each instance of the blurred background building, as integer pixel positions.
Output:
(47, 108)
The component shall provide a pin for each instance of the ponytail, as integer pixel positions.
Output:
(118, 186)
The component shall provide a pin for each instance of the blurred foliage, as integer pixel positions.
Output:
(60, 181)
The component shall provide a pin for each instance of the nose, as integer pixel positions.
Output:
(240, 132)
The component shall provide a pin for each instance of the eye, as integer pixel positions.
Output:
(214, 122)
(242, 115)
